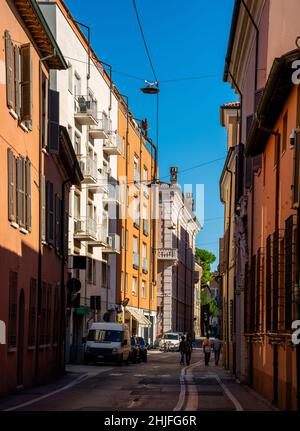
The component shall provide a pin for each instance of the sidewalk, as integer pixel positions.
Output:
(74, 375)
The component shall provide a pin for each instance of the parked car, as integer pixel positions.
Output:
(170, 341)
(142, 349)
(107, 342)
(134, 350)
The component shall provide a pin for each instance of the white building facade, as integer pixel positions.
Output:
(89, 110)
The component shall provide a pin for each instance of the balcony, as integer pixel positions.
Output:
(145, 265)
(85, 110)
(145, 227)
(167, 254)
(114, 245)
(136, 260)
(85, 229)
(103, 179)
(102, 239)
(102, 129)
(88, 168)
(112, 146)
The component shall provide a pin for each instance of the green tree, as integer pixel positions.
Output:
(205, 258)
(213, 308)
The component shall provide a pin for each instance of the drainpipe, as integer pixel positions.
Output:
(297, 316)
(126, 172)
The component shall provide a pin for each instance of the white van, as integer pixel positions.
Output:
(170, 341)
(107, 342)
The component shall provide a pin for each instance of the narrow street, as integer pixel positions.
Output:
(161, 384)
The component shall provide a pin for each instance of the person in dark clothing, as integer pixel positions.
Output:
(182, 348)
(188, 350)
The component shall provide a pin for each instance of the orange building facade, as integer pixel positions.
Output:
(36, 162)
(136, 265)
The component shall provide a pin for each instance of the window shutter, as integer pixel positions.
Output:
(50, 213)
(28, 196)
(66, 230)
(20, 191)
(17, 81)
(57, 223)
(11, 185)
(26, 85)
(9, 70)
(53, 122)
(43, 208)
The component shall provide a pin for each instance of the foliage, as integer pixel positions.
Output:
(205, 259)
(213, 308)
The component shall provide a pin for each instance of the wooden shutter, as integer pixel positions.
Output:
(43, 207)
(17, 81)
(9, 70)
(53, 122)
(66, 231)
(13, 307)
(57, 223)
(50, 213)
(26, 85)
(20, 191)
(28, 195)
(11, 185)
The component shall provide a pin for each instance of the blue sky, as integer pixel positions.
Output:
(185, 39)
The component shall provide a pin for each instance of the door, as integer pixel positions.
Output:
(21, 339)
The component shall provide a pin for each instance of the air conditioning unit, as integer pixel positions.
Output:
(109, 241)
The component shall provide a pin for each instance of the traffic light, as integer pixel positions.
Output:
(95, 302)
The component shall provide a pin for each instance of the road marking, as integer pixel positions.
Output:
(192, 396)
(229, 394)
(57, 391)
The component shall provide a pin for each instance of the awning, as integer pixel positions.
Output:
(139, 316)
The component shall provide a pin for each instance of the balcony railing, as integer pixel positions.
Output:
(102, 129)
(112, 145)
(167, 254)
(114, 245)
(146, 190)
(85, 229)
(136, 260)
(85, 110)
(89, 170)
(145, 265)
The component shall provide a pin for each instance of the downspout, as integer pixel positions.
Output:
(297, 316)
(126, 172)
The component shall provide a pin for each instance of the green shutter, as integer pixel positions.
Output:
(28, 196)
(9, 70)
(11, 185)
(17, 81)
(26, 85)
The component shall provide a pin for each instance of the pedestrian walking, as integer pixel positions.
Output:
(217, 346)
(188, 349)
(206, 350)
(182, 347)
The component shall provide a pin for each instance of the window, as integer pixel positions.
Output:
(77, 206)
(145, 179)
(43, 319)
(49, 213)
(43, 205)
(136, 213)
(32, 312)
(134, 286)
(77, 85)
(91, 273)
(144, 255)
(21, 191)
(12, 311)
(77, 144)
(145, 221)
(18, 62)
(70, 77)
(284, 131)
(137, 178)
(135, 253)
(11, 186)
(44, 111)
(144, 289)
